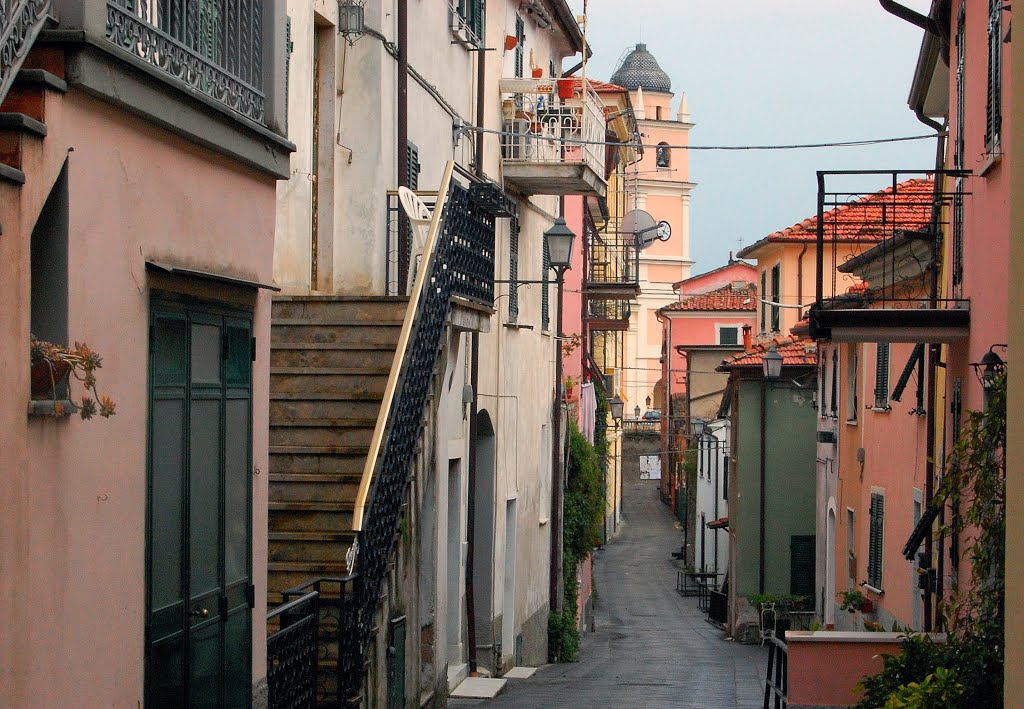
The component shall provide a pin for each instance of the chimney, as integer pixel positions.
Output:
(748, 338)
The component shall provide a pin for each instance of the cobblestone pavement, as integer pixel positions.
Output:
(652, 648)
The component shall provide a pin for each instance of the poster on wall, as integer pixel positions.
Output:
(650, 467)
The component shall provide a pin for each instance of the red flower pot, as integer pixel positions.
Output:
(566, 88)
(45, 378)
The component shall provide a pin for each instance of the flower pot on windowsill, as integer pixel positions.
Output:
(538, 72)
(48, 377)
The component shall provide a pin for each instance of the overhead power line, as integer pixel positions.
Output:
(783, 146)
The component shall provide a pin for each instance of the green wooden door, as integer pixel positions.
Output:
(199, 568)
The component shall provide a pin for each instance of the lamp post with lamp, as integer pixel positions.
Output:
(771, 371)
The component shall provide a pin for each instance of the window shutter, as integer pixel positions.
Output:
(513, 269)
(908, 370)
(958, 152)
(725, 478)
(520, 48)
(877, 523)
(764, 306)
(413, 161)
(822, 380)
(478, 22)
(835, 383)
(801, 565)
(545, 297)
(882, 376)
(776, 297)
(994, 112)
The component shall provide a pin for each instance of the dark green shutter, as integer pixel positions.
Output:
(764, 306)
(776, 297)
(958, 150)
(877, 526)
(545, 306)
(882, 376)
(413, 161)
(834, 404)
(513, 269)
(520, 45)
(801, 565)
(478, 22)
(908, 370)
(994, 107)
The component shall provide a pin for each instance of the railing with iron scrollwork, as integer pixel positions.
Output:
(212, 46)
(458, 262)
(293, 653)
(20, 23)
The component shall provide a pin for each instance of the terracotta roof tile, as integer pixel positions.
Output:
(870, 218)
(727, 298)
(796, 352)
(601, 87)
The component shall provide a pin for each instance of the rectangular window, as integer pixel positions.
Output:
(801, 565)
(882, 376)
(994, 105)
(764, 306)
(877, 522)
(852, 395)
(776, 297)
(471, 12)
(822, 384)
(728, 335)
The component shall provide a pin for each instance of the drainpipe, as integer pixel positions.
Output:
(471, 505)
(402, 108)
(481, 85)
(911, 16)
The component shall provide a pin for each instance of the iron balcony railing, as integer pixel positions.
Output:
(540, 127)
(609, 314)
(20, 23)
(613, 263)
(879, 237)
(211, 46)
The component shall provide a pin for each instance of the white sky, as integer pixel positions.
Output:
(771, 72)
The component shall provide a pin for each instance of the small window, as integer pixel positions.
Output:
(49, 266)
(882, 376)
(664, 155)
(877, 522)
(728, 335)
(657, 113)
(776, 296)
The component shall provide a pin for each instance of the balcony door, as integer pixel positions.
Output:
(199, 518)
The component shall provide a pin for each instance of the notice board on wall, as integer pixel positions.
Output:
(650, 467)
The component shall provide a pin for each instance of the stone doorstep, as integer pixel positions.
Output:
(520, 673)
(479, 688)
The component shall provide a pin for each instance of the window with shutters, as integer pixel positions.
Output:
(993, 111)
(801, 565)
(413, 161)
(882, 377)
(764, 306)
(728, 335)
(545, 287)
(520, 45)
(776, 297)
(822, 383)
(877, 525)
(852, 394)
(471, 12)
(513, 270)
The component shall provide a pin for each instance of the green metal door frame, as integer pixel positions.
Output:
(224, 615)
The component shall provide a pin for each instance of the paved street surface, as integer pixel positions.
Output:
(653, 648)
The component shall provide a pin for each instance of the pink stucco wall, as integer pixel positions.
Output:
(572, 296)
(72, 536)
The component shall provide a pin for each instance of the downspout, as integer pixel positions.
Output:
(471, 505)
(403, 122)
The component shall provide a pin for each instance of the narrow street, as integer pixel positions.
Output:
(652, 647)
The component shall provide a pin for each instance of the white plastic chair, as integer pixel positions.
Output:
(420, 217)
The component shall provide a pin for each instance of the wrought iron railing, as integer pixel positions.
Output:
(293, 653)
(20, 23)
(776, 682)
(398, 240)
(458, 261)
(614, 259)
(540, 127)
(614, 310)
(211, 46)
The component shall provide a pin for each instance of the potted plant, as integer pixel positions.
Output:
(55, 365)
(853, 601)
(570, 384)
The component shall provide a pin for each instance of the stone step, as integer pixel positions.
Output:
(28, 93)
(362, 309)
(325, 382)
(320, 435)
(310, 516)
(321, 487)
(317, 464)
(288, 407)
(348, 332)
(15, 130)
(314, 547)
(328, 357)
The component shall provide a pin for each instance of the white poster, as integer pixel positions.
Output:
(650, 467)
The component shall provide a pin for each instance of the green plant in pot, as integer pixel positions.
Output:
(853, 601)
(53, 368)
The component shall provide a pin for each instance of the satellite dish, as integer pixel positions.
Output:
(642, 226)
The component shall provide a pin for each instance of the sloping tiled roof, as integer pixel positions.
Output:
(601, 87)
(726, 298)
(871, 218)
(796, 352)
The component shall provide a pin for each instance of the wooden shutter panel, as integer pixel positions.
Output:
(478, 23)
(545, 307)
(882, 376)
(513, 269)
(764, 306)
(993, 113)
(876, 540)
(801, 565)
(835, 383)
(413, 160)
(520, 45)
(776, 298)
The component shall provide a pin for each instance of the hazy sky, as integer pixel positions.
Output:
(763, 72)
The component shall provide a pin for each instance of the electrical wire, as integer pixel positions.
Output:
(784, 146)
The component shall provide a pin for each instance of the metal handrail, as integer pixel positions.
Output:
(20, 24)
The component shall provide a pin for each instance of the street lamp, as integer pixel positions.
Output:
(697, 427)
(990, 367)
(616, 404)
(636, 411)
(351, 20)
(559, 239)
(772, 363)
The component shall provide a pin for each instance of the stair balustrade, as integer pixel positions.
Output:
(20, 24)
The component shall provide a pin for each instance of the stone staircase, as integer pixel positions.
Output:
(330, 360)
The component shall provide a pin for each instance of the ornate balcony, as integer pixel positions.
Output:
(877, 255)
(613, 262)
(214, 47)
(552, 145)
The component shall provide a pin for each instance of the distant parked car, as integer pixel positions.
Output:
(652, 416)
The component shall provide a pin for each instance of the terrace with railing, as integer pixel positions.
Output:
(553, 134)
(878, 256)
